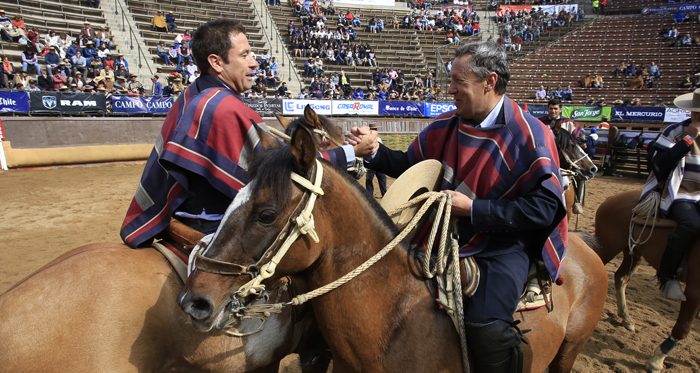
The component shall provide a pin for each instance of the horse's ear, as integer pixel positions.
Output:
(303, 149)
(283, 121)
(311, 117)
(556, 126)
(267, 141)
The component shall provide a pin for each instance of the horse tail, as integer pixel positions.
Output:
(590, 240)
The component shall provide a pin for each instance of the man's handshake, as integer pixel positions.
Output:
(363, 141)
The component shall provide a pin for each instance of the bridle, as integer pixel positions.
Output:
(572, 166)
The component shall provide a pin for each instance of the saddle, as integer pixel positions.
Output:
(177, 244)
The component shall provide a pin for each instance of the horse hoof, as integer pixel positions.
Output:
(629, 327)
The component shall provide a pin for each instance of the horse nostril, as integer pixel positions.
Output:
(198, 307)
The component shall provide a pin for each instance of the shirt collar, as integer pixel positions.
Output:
(490, 119)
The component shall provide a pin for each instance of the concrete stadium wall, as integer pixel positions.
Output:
(41, 141)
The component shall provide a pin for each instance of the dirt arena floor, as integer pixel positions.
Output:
(46, 212)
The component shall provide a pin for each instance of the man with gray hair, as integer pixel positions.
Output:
(501, 169)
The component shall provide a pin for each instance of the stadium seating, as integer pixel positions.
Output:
(189, 15)
(66, 16)
(599, 48)
(412, 51)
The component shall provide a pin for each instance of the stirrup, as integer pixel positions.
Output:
(577, 208)
(673, 290)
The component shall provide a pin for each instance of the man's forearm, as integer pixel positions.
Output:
(390, 162)
(533, 211)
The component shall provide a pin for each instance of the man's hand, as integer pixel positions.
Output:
(363, 141)
(368, 144)
(461, 204)
(355, 136)
(694, 129)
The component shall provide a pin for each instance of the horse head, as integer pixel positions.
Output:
(272, 209)
(571, 156)
(328, 135)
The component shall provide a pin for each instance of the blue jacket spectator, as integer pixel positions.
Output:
(72, 49)
(157, 86)
(52, 60)
(358, 94)
(170, 22)
(90, 52)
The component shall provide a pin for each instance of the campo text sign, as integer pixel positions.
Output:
(68, 103)
(141, 105)
(671, 8)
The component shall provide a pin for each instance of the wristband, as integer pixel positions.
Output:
(689, 140)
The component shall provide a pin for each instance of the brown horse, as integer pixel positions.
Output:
(574, 163)
(108, 308)
(611, 229)
(386, 319)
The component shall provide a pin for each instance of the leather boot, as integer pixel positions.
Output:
(676, 248)
(495, 347)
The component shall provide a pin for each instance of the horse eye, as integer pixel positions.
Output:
(267, 217)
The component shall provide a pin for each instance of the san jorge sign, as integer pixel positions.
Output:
(586, 113)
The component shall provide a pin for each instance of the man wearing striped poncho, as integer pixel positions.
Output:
(501, 168)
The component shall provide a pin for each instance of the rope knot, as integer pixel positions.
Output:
(307, 226)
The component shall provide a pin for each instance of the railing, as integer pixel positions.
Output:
(132, 35)
(267, 22)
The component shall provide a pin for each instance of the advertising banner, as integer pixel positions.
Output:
(555, 9)
(14, 102)
(433, 109)
(296, 107)
(671, 8)
(586, 113)
(367, 2)
(400, 108)
(355, 107)
(675, 115)
(638, 114)
(141, 105)
(551, 9)
(265, 107)
(67, 103)
(537, 111)
(516, 8)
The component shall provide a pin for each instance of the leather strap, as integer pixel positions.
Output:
(218, 267)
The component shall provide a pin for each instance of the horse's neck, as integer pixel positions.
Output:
(385, 315)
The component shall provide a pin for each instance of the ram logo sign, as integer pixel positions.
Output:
(49, 102)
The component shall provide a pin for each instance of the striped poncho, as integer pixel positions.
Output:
(683, 181)
(208, 137)
(512, 158)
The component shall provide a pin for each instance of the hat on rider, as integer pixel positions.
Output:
(689, 101)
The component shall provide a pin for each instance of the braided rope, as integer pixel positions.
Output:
(648, 208)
